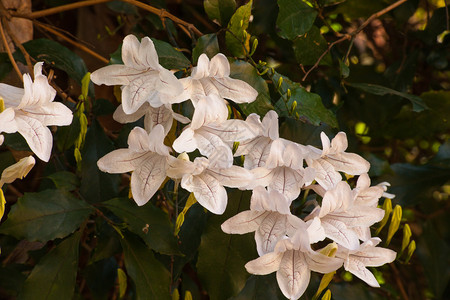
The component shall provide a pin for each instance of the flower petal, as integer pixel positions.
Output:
(340, 233)
(7, 121)
(293, 275)
(121, 161)
(121, 117)
(202, 68)
(244, 222)
(270, 231)
(38, 137)
(219, 66)
(265, 264)
(234, 89)
(147, 178)
(208, 192)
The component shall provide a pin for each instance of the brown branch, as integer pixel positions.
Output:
(58, 9)
(21, 48)
(70, 41)
(399, 281)
(351, 35)
(344, 38)
(185, 26)
(378, 14)
(5, 43)
(164, 14)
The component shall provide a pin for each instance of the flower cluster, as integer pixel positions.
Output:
(30, 110)
(275, 169)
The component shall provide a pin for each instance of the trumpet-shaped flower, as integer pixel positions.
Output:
(213, 77)
(257, 149)
(333, 159)
(30, 110)
(269, 216)
(293, 260)
(368, 255)
(340, 216)
(141, 76)
(146, 156)
(207, 182)
(283, 170)
(163, 115)
(214, 140)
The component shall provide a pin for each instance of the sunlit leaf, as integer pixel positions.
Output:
(236, 37)
(220, 10)
(294, 18)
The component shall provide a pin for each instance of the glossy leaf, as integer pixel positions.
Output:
(417, 102)
(45, 216)
(207, 44)
(64, 180)
(220, 11)
(295, 18)
(236, 37)
(97, 144)
(57, 56)
(55, 274)
(310, 46)
(170, 58)
(222, 256)
(151, 279)
(148, 221)
(246, 72)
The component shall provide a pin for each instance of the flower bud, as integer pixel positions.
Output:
(395, 223)
(406, 237)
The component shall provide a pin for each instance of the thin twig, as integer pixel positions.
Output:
(21, 48)
(350, 36)
(70, 41)
(58, 9)
(378, 14)
(344, 38)
(399, 282)
(5, 43)
(185, 26)
(163, 13)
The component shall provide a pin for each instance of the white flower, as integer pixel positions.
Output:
(257, 149)
(269, 216)
(212, 77)
(368, 255)
(17, 171)
(146, 156)
(163, 115)
(283, 170)
(214, 140)
(142, 78)
(207, 182)
(333, 159)
(30, 110)
(340, 215)
(293, 260)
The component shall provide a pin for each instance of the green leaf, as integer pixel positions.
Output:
(260, 287)
(310, 46)
(236, 38)
(5, 65)
(148, 221)
(57, 56)
(246, 72)
(294, 18)
(207, 44)
(170, 58)
(55, 274)
(45, 216)
(96, 186)
(65, 180)
(219, 11)
(222, 256)
(417, 102)
(152, 280)
(67, 135)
